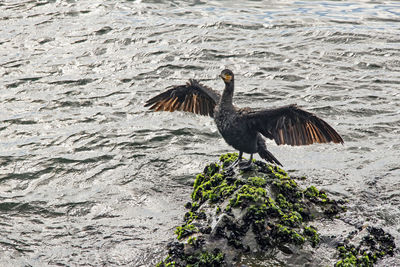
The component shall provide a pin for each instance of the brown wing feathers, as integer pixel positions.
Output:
(286, 125)
(293, 126)
(192, 97)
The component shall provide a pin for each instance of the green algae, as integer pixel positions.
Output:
(314, 194)
(375, 245)
(292, 219)
(311, 192)
(192, 241)
(283, 211)
(285, 186)
(287, 235)
(198, 259)
(198, 181)
(185, 230)
(283, 203)
(195, 205)
(247, 194)
(275, 209)
(205, 258)
(189, 216)
(167, 262)
(284, 208)
(257, 212)
(257, 181)
(311, 235)
(228, 159)
(271, 205)
(218, 210)
(213, 186)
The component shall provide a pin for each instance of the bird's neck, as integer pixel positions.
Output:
(227, 95)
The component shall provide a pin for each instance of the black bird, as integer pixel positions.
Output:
(242, 128)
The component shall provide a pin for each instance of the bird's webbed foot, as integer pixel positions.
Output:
(236, 162)
(243, 166)
(233, 164)
(246, 165)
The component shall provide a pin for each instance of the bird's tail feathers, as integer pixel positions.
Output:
(266, 155)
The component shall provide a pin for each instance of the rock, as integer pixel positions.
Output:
(261, 215)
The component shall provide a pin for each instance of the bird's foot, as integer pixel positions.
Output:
(233, 165)
(243, 165)
(246, 166)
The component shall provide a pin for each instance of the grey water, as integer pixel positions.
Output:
(89, 177)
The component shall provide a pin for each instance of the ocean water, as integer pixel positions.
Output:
(89, 177)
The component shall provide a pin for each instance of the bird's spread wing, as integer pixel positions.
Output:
(193, 97)
(291, 125)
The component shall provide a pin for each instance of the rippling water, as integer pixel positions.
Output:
(89, 177)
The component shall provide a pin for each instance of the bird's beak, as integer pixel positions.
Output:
(226, 77)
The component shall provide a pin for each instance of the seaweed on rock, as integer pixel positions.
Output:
(375, 244)
(257, 212)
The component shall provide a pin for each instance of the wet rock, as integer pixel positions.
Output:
(261, 215)
(365, 246)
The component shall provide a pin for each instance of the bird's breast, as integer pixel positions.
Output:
(235, 131)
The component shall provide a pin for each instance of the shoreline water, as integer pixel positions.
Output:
(89, 177)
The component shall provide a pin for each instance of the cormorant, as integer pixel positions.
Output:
(242, 128)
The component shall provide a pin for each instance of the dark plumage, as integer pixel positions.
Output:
(242, 128)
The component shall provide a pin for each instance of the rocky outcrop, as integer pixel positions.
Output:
(261, 216)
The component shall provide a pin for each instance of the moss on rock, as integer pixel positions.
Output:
(260, 210)
(375, 244)
(185, 230)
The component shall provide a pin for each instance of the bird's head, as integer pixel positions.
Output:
(226, 75)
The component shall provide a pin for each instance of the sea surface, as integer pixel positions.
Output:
(89, 177)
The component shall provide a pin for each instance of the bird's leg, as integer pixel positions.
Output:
(247, 165)
(239, 158)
